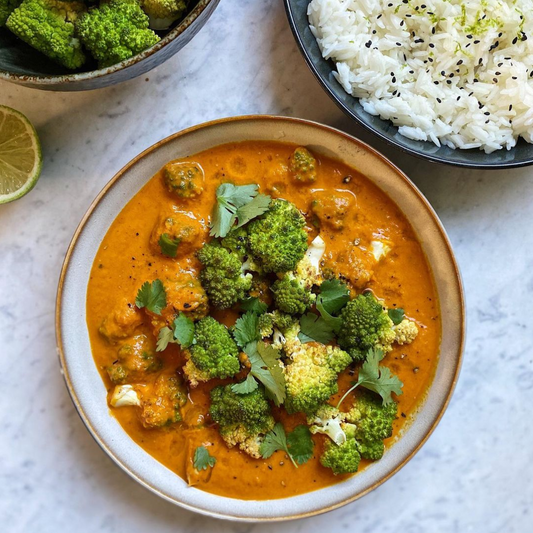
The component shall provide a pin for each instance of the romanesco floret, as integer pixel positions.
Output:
(163, 13)
(115, 31)
(365, 325)
(6, 8)
(328, 421)
(184, 179)
(243, 419)
(373, 422)
(214, 354)
(291, 297)
(405, 332)
(237, 241)
(302, 165)
(162, 402)
(223, 276)
(276, 320)
(311, 374)
(49, 26)
(343, 458)
(135, 359)
(277, 239)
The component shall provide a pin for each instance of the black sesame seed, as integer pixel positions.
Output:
(433, 30)
(398, 44)
(515, 40)
(486, 113)
(510, 107)
(514, 77)
(449, 82)
(368, 44)
(475, 80)
(469, 36)
(471, 93)
(379, 16)
(460, 62)
(439, 100)
(458, 98)
(443, 73)
(500, 64)
(436, 82)
(393, 80)
(431, 45)
(477, 41)
(495, 80)
(498, 73)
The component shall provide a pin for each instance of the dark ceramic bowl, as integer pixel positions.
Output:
(19, 63)
(520, 155)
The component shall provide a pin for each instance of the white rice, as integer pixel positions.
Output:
(457, 73)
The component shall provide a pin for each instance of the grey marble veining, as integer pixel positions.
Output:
(475, 472)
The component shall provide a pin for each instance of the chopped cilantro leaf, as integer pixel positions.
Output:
(314, 328)
(378, 379)
(334, 295)
(300, 444)
(265, 368)
(396, 315)
(252, 209)
(168, 245)
(246, 386)
(246, 329)
(236, 203)
(152, 296)
(202, 459)
(254, 304)
(275, 440)
(334, 322)
(165, 337)
(184, 330)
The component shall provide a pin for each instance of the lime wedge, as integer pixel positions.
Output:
(20, 155)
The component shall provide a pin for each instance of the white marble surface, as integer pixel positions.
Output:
(475, 472)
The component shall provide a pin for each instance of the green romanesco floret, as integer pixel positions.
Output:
(115, 31)
(243, 419)
(373, 422)
(214, 353)
(269, 322)
(163, 13)
(237, 241)
(277, 239)
(311, 373)
(290, 296)
(328, 420)
(302, 165)
(6, 8)
(49, 26)
(223, 276)
(365, 325)
(343, 458)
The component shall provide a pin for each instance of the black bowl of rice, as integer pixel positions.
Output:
(445, 80)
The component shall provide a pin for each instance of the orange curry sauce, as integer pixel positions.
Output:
(402, 279)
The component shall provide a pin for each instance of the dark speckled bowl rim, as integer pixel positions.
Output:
(387, 139)
(94, 74)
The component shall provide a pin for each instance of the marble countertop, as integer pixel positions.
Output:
(475, 472)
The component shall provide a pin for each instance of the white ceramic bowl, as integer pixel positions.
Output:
(87, 388)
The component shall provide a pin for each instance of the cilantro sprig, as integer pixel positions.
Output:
(152, 296)
(236, 203)
(376, 378)
(181, 332)
(396, 315)
(298, 444)
(334, 295)
(202, 459)
(168, 245)
(264, 367)
(315, 328)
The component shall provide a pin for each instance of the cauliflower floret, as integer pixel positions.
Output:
(405, 332)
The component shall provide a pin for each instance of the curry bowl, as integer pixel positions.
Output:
(89, 393)
(324, 71)
(21, 64)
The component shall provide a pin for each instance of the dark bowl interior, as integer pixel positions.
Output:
(520, 155)
(20, 63)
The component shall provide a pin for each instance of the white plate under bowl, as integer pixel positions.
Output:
(87, 388)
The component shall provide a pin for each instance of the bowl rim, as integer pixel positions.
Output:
(53, 79)
(389, 140)
(64, 369)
